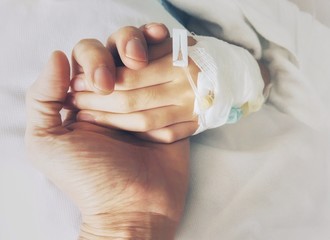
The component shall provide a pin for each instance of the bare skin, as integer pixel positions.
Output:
(154, 100)
(125, 188)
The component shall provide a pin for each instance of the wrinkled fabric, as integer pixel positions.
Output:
(265, 177)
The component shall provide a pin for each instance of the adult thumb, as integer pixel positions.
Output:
(46, 96)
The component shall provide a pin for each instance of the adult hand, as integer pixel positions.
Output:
(156, 102)
(124, 187)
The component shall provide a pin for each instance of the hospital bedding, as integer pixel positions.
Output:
(265, 177)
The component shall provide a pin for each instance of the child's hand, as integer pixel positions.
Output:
(96, 63)
(125, 188)
(156, 102)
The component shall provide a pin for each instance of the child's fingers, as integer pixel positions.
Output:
(164, 48)
(158, 38)
(171, 133)
(78, 83)
(158, 72)
(141, 90)
(92, 59)
(142, 121)
(134, 100)
(160, 50)
(131, 46)
(155, 33)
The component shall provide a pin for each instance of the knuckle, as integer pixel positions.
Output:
(186, 96)
(128, 103)
(128, 79)
(168, 136)
(146, 123)
(138, 100)
(84, 45)
(152, 94)
(190, 97)
(187, 90)
(103, 119)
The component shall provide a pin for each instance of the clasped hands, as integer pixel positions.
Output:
(125, 187)
(131, 84)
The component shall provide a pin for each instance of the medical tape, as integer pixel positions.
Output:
(180, 59)
(226, 89)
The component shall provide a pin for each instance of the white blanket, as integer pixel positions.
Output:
(266, 177)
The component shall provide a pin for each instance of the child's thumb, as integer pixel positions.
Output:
(46, 96)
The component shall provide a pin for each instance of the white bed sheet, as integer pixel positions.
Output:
(266, 177)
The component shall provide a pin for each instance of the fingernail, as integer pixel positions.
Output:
(135, 50)
(86, 117)
(104, 79)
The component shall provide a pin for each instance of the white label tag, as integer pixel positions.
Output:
(180, 48)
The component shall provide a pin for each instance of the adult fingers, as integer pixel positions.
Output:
(92, 60)
(141, 121)
(46, 96)
(171, 133)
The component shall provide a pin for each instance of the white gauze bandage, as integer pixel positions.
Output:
(230, 83)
